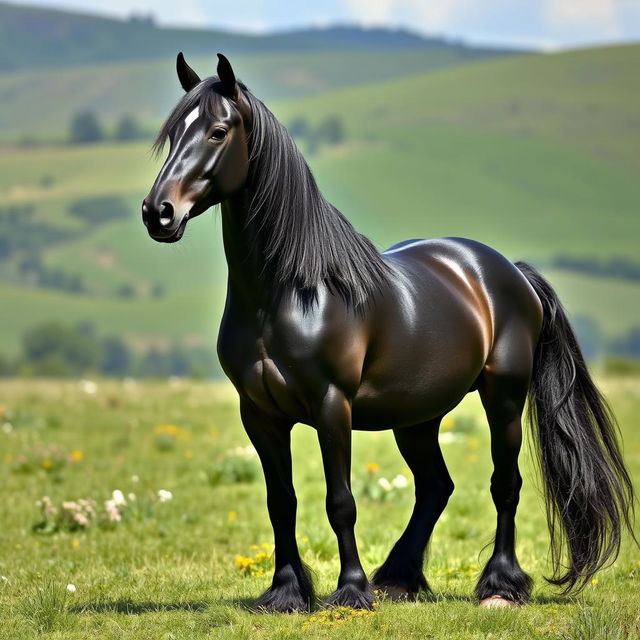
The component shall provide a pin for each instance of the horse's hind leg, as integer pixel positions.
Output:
(401, 574)
(503, 391)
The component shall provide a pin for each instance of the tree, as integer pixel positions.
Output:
(116, 357)
(157, 290)
(54, 349)
(7, 367)
(154, 364)
(126, 290)
(331, 131)
(86, 128)
(178, 361)
(127, 129)
(299, 127)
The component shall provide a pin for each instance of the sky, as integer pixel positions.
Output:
(548, 24)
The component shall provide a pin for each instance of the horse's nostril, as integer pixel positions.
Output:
(166, 213)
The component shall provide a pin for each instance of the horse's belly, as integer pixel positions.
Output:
(415, 382)
(377, 408)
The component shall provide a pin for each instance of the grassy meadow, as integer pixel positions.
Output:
(190, 566)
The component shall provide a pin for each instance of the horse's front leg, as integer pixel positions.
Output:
(333, 423)
(291, 589)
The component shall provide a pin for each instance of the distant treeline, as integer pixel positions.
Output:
(86, 128)
(57, 350)
(616, 267)
(54, 349)
(595, 345)
(329, 131)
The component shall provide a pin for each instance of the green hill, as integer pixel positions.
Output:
(32, 37)
(149, 89)
(535, 155)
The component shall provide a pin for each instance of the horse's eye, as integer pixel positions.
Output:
(218, 134)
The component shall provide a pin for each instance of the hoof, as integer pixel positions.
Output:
(396, 593)
(351, 597)
(496, 602)
(283, 600)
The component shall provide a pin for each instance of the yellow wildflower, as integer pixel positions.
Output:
(372, 467)
(172, 430)
(232, 515)
(46, 463)
(473, 442)
(77, 455)
(243, 563)
(448, 423)
(8, 457)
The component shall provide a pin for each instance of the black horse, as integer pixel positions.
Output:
(320, 328)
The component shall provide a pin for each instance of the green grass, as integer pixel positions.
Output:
(169, 571)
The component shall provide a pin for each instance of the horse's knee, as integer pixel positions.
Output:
(341, 508)
(435, 488)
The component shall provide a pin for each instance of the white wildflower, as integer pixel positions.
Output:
(385, 484)
(400, 481)
(71, 588)
(135, 479)
(7, 427)
(113, 513)
(88, 386)
(245, 452)
(131, 497)
(164, 495)
(118, 498)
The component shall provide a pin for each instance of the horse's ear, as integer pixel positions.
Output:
(187, 76)
(227, 77)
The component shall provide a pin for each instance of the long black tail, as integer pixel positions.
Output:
(588, 491)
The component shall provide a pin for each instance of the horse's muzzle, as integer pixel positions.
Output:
(162, 222)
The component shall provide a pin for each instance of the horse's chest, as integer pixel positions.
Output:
(268, 381)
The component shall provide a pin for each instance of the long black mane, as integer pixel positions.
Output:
(304, 241)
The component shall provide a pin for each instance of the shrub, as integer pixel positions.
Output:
(85, 128)
(128, 129)
(100, 209)
(237, 466)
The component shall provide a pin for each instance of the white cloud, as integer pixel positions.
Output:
(371, 11)
(599, 16)
(438, 16)
(423, 15)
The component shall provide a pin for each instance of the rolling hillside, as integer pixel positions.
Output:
(149, 89)
(535, 155)
(32, 37)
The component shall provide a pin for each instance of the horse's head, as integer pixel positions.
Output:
(208, 157)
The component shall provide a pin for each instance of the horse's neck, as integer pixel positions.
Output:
(243, 260)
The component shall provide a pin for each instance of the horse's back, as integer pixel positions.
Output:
(484, 272)
(450, 303)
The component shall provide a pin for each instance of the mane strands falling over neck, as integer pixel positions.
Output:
(304, 241)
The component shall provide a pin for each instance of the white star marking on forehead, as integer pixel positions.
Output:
(191, 118)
